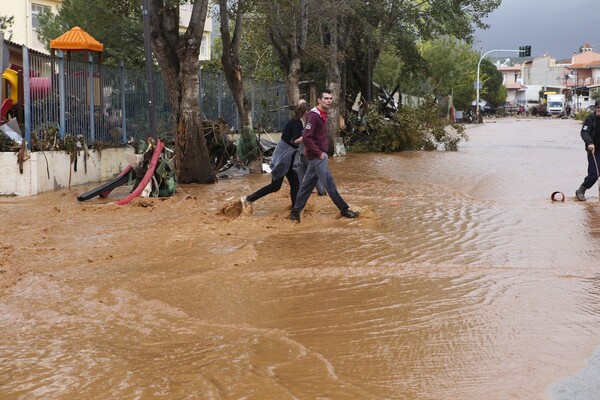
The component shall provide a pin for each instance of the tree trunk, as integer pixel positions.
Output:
(333, 117)
(247, 146)
(334, 83)
(193, 159)
(177, 57)
(292, 82)
(288, 33)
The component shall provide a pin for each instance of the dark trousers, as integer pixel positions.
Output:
(592, 176)
(275, 185)
(302, 171)
(318, 170)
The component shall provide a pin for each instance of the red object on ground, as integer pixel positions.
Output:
(5, 107)
(151, 168)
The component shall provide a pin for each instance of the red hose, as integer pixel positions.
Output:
(151, 168)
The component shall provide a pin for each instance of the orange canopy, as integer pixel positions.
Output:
(76, 39)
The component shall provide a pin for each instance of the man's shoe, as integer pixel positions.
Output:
(580, 193)
(348, 213)
(245, 203)
(295, 216)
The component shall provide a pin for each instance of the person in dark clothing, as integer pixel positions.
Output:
(285, 160)
(591, 137)
(316, 143)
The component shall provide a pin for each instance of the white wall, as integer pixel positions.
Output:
(49, 170)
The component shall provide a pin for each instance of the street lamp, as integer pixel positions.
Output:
(524, 51)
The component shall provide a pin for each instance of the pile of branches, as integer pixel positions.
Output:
(7, 144)
(220, 146)
(421, 128)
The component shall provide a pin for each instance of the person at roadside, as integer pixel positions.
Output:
(285, 160)
(591, 137)
(304, 164)
(316, 143)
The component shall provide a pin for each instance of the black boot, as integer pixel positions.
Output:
(580, 193)
(295, 216)
(348, 213)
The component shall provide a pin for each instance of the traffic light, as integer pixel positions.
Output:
(524, 51)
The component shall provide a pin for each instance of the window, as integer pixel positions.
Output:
(36, 10)
(205, 48)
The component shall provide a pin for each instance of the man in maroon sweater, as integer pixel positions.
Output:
(316, 143)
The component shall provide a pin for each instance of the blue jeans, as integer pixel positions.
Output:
(318, 171)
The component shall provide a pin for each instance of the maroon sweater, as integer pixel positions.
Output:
(315, 138)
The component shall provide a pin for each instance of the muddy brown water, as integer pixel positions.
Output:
(460, 280)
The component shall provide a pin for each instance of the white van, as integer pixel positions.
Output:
(556, 104)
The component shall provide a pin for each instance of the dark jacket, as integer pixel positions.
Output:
(588, 130)
(285, 152)
(292, 131)
(315, 137)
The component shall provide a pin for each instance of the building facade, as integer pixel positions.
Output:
(25, 24)
(515, 90)
(577, 78)
(582, 77)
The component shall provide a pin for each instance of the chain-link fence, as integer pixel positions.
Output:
(110, 104)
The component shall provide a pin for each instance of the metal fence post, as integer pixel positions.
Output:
(279, 105)
(200, 90)
(27, 96)
(123, 117)
(220, 95)
(91, 96)
(61, 94)
(252, 104)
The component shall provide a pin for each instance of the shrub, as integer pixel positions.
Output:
(421, 128)
(582, 115)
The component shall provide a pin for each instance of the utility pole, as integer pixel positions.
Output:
(524, 51)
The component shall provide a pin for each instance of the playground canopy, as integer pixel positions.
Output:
(76, 39)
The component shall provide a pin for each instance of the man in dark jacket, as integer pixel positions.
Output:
(316, 143)
(591, 137)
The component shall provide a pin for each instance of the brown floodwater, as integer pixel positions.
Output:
(460, 280)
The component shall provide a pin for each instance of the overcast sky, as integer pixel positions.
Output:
(556, 27)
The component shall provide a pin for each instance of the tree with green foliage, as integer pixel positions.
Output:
(451, 65)
(287, 31)
(233, 11)
(493, 91)
(335, 29)
(256, 55)
(6, 24)
(401, 24)
(122, 38)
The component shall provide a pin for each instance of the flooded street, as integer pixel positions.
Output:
(460, 280)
